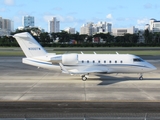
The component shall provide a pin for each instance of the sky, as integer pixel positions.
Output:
(75, 13)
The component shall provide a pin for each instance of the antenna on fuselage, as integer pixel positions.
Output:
(82, 52)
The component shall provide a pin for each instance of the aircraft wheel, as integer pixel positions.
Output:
(140, 78)
(84, 78)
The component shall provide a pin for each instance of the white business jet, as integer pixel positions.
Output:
(82, 64)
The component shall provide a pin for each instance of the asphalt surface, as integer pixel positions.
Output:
(28, 92)
(78, 110)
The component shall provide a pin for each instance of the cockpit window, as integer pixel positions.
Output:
(137, 60)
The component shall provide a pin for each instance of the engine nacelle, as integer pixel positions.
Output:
(70, 59)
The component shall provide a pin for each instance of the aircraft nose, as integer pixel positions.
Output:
(152, 67)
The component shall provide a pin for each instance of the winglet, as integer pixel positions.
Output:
(64, 70)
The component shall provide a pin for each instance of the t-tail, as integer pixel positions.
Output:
(36, 55)
(29, 45)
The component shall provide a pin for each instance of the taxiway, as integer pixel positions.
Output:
(20, 82)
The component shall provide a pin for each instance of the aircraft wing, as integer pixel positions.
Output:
(85, 70)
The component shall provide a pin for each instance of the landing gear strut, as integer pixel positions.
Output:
(84, 78)
(141, 77)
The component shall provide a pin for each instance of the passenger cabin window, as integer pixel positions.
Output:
(93, 61)
(137, 60)
(115, 61)
(87, 61)
(99, 61)
(121, 61)
(82, 61)
(104, 61)
(109, 61)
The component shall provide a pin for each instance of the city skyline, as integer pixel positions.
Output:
(76, 13)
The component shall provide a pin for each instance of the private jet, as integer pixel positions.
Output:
(81, 64)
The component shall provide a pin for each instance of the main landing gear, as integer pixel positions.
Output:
(141, 77)
(84, 78)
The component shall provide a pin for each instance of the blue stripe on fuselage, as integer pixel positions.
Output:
(108, 65)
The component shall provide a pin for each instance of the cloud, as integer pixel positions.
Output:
(109, 16)
(50, 17)
(2, 9)
(47, 17)
(17, 19)
(70, 19)
(57, 9)
(157, 6)
(142, 21)
(23, 13)
(120, 19)
(9, 2)
(148, 6)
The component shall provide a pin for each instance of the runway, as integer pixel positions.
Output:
(23, 83)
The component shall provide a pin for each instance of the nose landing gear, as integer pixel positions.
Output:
(141, 77)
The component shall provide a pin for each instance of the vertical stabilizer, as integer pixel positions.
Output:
(29, 45)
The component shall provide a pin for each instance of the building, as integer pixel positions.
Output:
(109, 28)
(28, 21)
(87, 29)
(54, 25)
(147, 26)
(100, 27)
(103, 27)
(0, 22)
(6, 26)
(70, 30)
(122, 31)
(153, 26)
(141, 36)
(36, 31)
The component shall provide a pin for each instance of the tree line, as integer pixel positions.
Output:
(63, 39)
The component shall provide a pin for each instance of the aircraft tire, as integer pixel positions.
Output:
(84, 78)
(140, 78)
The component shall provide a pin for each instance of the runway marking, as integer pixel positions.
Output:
(148, 96)
(85, 91)
(33, 86)
(56, 74)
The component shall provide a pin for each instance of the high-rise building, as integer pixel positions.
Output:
(6, 26)
(0, 22)
(153, 26)
(109, 28)
(70, 30)
(100, 27)
(54, 25)
(87, 29)
(28, 21)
